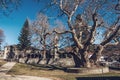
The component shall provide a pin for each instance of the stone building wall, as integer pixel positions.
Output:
(10, 52)
(33, 56)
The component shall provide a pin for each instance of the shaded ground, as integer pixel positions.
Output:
(6, 67)
(98, 78)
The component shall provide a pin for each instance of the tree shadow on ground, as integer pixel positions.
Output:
(118, 69)
(49, 67)
(98, 78)
(3, 71)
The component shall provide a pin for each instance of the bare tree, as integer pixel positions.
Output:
(93, 20)
(44, 37)
(40, 31)
(8, 6)
(117, 7)
(1, 37)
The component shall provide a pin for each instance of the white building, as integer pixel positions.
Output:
(10, 51)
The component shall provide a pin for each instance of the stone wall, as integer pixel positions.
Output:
(64, 62)
(98, 70)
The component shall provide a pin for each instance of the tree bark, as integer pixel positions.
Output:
(97, 54)
(77, 60)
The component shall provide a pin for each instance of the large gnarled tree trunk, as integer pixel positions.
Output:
(82, 54)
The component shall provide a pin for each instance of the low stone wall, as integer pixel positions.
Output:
(99, 70)
(22, 60)
(64, 62)
(32, 60)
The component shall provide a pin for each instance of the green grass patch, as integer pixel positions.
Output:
(23, 69)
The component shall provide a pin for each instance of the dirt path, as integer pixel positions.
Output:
(6, 67)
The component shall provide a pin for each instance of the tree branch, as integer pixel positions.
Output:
(69, 22)
(93, 30)
(61, 7)
(111, 36)
(54, 31)
(112, 44)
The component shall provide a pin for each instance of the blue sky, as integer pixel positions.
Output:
(12, 25)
